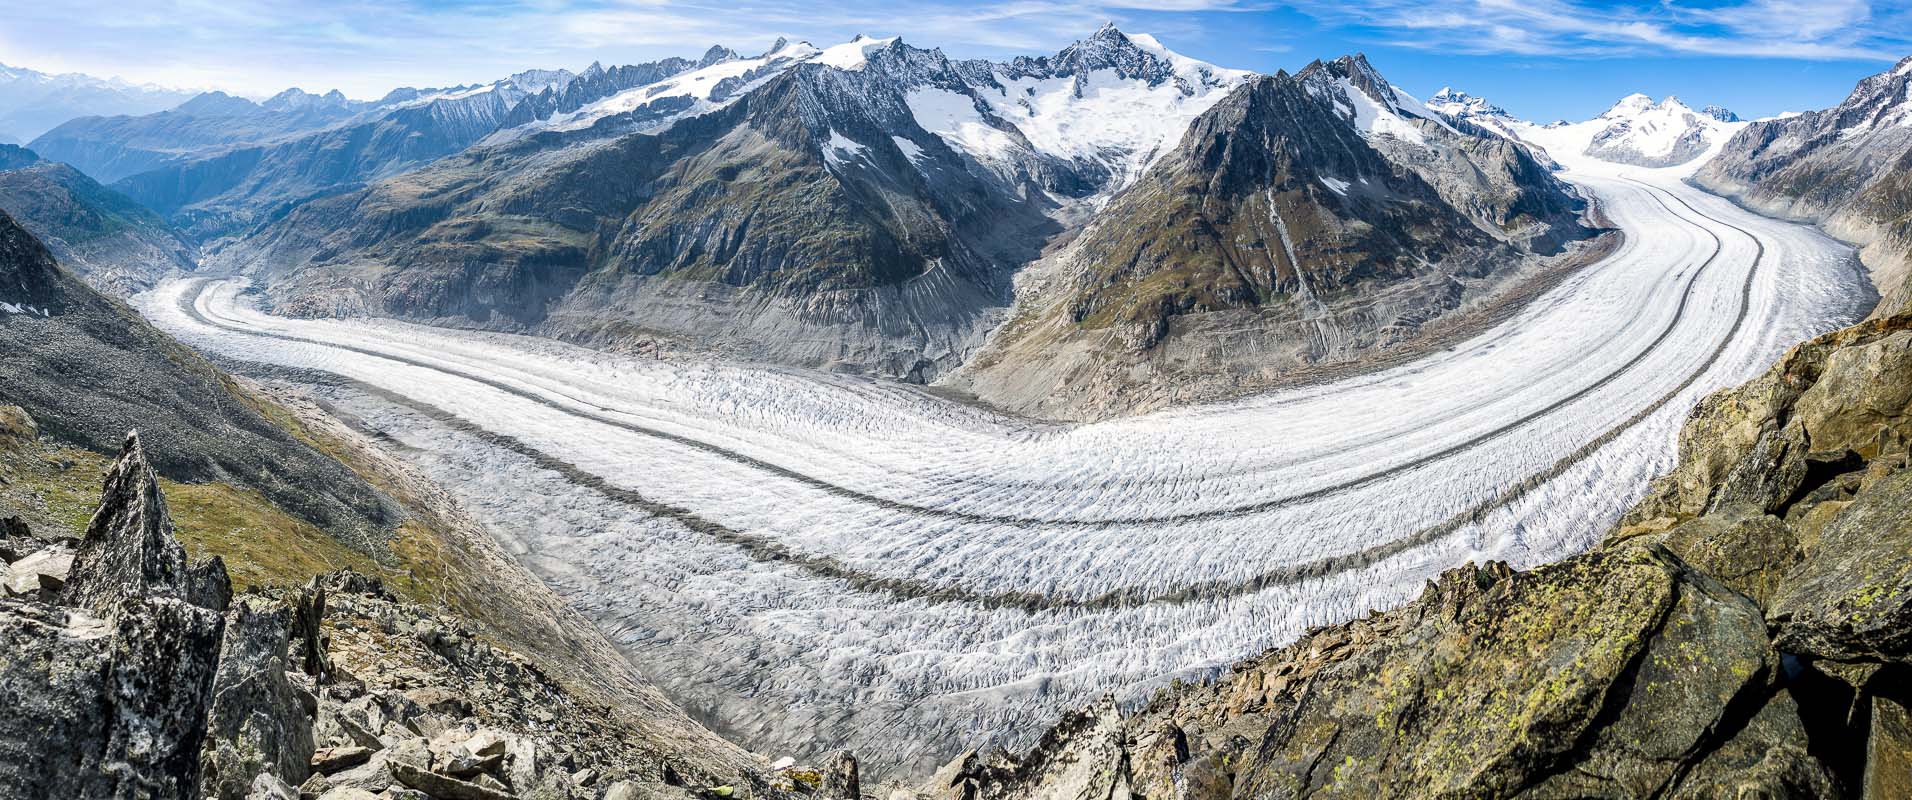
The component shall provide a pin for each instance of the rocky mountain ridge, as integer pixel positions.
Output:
(1301, 221)
(137, 673)
(105, 237)
(937, 181)
(1847, 168)
(217, 165)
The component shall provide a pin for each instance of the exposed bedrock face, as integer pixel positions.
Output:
(1746, 628)
(114, 243)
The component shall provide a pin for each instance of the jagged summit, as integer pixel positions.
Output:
(1132, 56)
(296, 99)
(130, 551)
(717, 54)
(1455, 103)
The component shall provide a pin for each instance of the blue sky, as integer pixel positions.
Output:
(1541, 59)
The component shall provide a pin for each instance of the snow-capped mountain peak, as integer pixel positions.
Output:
(1360, 95)
(853, 54)
(1631, 105)
(533, 81)
(720, 77)
(1641, 131)
(1463, 105)
(1109, 104)
(1130, 57)
(1879, 101)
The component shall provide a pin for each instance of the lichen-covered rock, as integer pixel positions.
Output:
(1759, 443)
(1862, 402)
(105, 706)
(257, 724)
(842, 779)
(1852, 599)
(1747, 550)
(1889, 750)
(1766, 758)
(1606, 675)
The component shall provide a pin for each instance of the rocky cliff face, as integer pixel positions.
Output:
(1745, 631)
(135, 673)
(114, 243)
(1848, 168)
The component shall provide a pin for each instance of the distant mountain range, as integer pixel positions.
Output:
(32, 102)
(1027, 231)
(867, 207)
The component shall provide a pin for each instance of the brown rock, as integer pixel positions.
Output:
(1889, 750)
(443, 787)
(327, 760)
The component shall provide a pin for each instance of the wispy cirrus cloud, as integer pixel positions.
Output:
(366, 47)
(1798, 29)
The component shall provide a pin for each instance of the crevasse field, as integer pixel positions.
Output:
(806, 560)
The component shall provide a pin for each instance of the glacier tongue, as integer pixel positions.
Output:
(810, 560)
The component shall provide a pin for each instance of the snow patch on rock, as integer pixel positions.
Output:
(954, 117)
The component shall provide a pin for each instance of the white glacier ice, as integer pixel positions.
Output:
(809, 560)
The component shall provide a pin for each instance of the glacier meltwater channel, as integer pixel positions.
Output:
(808, 561)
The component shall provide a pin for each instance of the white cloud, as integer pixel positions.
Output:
(1804, 29)
(367, 47)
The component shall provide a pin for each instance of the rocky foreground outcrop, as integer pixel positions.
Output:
(1746, 631)
(132, 672)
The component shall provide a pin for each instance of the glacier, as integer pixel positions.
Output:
(807, 561)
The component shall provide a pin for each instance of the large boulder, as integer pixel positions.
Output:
(1828, 406)
(257, 724)
(1852, 599)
